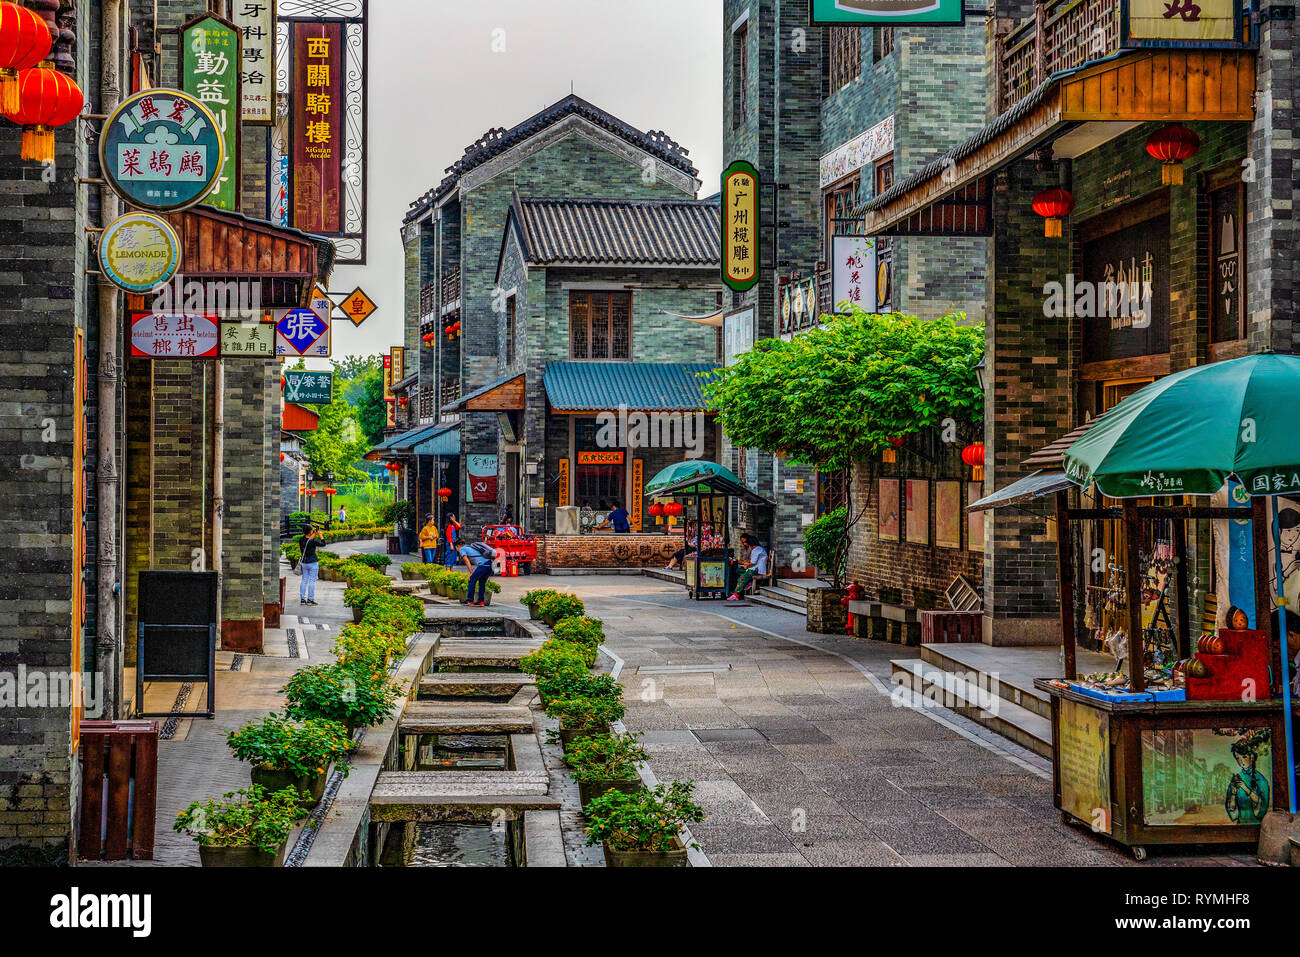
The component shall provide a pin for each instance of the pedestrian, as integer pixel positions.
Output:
(343, 514)
(508, 516)
(478, 558)
(428, 540)
(688, 550)
(310, 564)
(756, 564)
(452, 558)
(618, 520)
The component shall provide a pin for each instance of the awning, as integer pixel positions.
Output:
(945, 196)
(584, 387)
(504, 395)
(710, 484)
(1028, 489)
(444, 441)
(404, 443)
(1052, 457)
(295, 418)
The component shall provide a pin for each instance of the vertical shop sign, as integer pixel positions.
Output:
(256, 24)
(740, 225)
(638, 492)
(562, 493)
(317, 125)
(209, 71)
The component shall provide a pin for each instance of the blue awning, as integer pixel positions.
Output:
(640, 386)
(445, 440)
(403, 442)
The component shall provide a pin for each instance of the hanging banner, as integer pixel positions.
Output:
(638, 493)
(481, 478)
(317, 153)
(166, 335)
(209, 71)
(161, 150)
(853, 273)
(256, 25)
(740, 226)
(388, 379)
(139, 252)
(878, 13)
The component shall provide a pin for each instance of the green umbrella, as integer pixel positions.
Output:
(680, 471)
(1186, 433)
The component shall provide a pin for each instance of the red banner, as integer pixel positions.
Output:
(318, 110)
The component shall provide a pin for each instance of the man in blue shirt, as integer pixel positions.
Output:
(478, 558)
(618, 520)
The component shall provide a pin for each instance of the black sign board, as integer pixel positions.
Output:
(1123, 299)
(176, 637)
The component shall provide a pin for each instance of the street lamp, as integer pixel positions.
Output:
(979, 373)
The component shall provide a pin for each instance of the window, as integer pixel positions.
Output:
(740, 75)
(845, 58)
(883, 42)
(600, 325)
(884, 174)
(510, 331)
(840, 200)
(1227, 264)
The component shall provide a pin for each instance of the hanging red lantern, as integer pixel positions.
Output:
(331, 491)
(655, 510)
(25, 41)
(46, 99)
(1053, 204)
(444, 494)
(973, 455)
(890, 455)
(281, 456)
(1171, 144)
(674, 509)
(402, 402)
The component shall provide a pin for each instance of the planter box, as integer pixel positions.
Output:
(310, 790)
(532, 615)
(411, 577)
(244, 855)
(487, 598)
(569, 735)
(674, 858)
(590, 790)
(357, 613)
(826, 615)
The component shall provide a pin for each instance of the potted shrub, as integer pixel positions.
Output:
(559, 606)
(605, 762)
(356, 597)
(640, 829)
(582, 685)
(580, 716)
(558, 659)
(292, 552)
(350, 693)
(368, 645)
(292, 754)
(492, 589)
(249, 828)
(532, 600)
(413, 571)
(580, 630)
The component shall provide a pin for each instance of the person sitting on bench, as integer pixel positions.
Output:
(755, 565)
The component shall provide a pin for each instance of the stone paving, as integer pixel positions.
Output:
(799, 755)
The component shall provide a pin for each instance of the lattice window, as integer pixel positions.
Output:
(740, 75)
(840, 201)
(845, 56)
(600, 325)
(510, 331)
(883, 42)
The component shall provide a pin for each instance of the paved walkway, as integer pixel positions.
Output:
(801, 757)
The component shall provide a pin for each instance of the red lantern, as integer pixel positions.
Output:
(889, 455)
(655, 510)
(973, 455)
(46, 99)
(1171, 144)
(281, 456)
(674, 509)
(402, 402)
(1053, 204)
(25, 41)
(444, 494)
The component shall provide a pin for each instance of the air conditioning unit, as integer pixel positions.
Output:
(566, 520)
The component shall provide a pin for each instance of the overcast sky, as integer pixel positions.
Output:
(435, 86)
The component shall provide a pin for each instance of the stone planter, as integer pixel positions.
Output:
(590, 790)
(357, 613)
(674, 858)
(243, 855)
(826, 615)
(329, 574)
(487, 598)
(443, 589)
(411, 576)
(532, 613)
(310, 790)
(568, 735)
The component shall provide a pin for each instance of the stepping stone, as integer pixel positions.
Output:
(459, 795)
(472, 684)
(482, 652)
(465, 717)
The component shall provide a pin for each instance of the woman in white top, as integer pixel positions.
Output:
(755, 565)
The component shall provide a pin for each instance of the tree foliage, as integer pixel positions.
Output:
(841, 392)
(338, 442)
(372, 416)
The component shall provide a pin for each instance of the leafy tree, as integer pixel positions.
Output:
(357, 367)
(338, 441)
(371, 414)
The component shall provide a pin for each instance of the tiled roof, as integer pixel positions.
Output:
(662, 232)
(497, 141)
(640, 386)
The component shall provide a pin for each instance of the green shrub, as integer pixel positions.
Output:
(558, 659)
(584, 685)
(605, 757)
(368, 645)
(359, 595)
(826, 543)
(534, 597)
(359, 573)
(291, 551)
(646, 820)
(251, 816)
(580, 630)
(557, 607)
(349, 693)
(582, 712)
(303, 748)
(375, 561)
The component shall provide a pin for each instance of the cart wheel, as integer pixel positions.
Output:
(1139, 852)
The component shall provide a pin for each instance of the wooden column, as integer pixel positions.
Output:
(1133, 591)
(1065, 577)
(1180, 589)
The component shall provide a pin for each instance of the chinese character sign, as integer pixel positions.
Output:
(256, 24)
(164, 335)
(305, 385)
(301, 332)
(1183, 19)
(255, 340)
(162, 150)
(318, 116)
(210, 64)
(853, 273)
(740, 233)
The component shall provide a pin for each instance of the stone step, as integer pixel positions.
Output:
(459, 795)
(1024, 727)
(465, 717)
(1019, 692)
(482, 652)
(765, 596)
(471, 684)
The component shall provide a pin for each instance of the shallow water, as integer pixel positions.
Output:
(453, 752)
(461, 845)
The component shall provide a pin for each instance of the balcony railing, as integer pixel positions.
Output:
(450, 393)
(428, 300)
(450, 289)
(1062, 35)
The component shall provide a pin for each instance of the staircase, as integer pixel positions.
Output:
(787, 594)
(991, 686)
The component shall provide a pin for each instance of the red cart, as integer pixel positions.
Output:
(519, 550)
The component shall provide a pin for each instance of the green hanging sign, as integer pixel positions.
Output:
(885, 13)
(210, 72)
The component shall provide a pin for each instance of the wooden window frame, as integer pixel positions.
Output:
(844, 56)
(882, 42)
(882, 166)
(589, 294)
(850, 186)
(740, 75)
